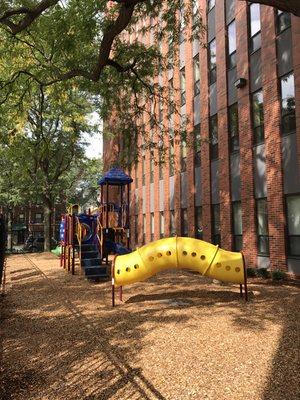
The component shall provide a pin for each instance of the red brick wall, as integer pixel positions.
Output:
(245, 134)
(224, 157)
(205, 160)
(274, 175)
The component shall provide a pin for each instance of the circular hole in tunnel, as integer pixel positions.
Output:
(218, 265)
(151, 258)
(168, 253)
(194, 254)
(118, 271)
(228, 268)
(203, 257)
(136, 266)
(237, 269)
(127, 269)
(159, 255)
(184, 253)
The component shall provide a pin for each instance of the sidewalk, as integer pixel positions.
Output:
(176, 337)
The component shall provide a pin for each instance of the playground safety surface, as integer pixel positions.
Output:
(176, 336)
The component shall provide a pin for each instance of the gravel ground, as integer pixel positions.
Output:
(177, 336)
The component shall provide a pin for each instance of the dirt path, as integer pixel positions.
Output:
(176, 337)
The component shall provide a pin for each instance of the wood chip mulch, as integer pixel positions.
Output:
(177, 336)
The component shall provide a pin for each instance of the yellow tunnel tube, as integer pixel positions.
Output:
(179, 253)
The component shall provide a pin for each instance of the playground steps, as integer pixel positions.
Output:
(91, 263)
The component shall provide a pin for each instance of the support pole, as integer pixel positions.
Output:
(127, 216)
(241, 290)
(113, 283)
(245, 278)
(106, 205)
(121, 293)
(73, 245)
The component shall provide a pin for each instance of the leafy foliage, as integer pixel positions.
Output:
(100, 46)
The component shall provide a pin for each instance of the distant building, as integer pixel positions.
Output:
(29, 220)
(239, 184)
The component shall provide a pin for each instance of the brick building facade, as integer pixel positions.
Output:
(239, 184)
(29, 220)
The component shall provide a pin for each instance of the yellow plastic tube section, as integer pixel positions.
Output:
(179, 253)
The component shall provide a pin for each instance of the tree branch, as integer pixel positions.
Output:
(292, 6)
(31, 14)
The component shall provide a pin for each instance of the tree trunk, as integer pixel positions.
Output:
(47, 225)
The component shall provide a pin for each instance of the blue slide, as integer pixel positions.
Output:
(116, 248)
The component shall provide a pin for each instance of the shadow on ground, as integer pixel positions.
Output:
(62, 339)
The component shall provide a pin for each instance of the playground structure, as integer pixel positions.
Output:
(95, 235)
(179, 253)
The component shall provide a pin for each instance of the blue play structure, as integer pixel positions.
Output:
(94, 236)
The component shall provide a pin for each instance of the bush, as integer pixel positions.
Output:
(278, 275)
(251, 273)
(263, 273)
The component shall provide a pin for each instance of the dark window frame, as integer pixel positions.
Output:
(234, 140)
(237, 238)
(257, 139)
(231, 57)
(279, 15)
(288, 235)
(213, 147)
(184, 223)
(257, 34)
(261, 237)
(284, 115)
(215, 233)
(212, 68)
(197, 87)
(198, 229)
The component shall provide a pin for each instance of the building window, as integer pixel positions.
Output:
(283, 21)
(210, 4)
(288, 113)
(183, 150)
(171, 97)
(184, 222)
(196, 73)
(213, 137)
(258, 117)
(197, 145)
(136, 231)
(182, 86)
(233, 127)
(171, 158)
(262, 227)
(255, 39)
(293, 225)
(216, 229)
(143, 171)
(21, 218)
(38, 218)
(237, 226)
(161, 160)
(195, 16)
(198, 223)
(136, 176)
(151, 167)
(152, 226)
(212, 61)
(161, 225)
(172, 223)
(231, 31)
(144, 228)
(182, 21)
